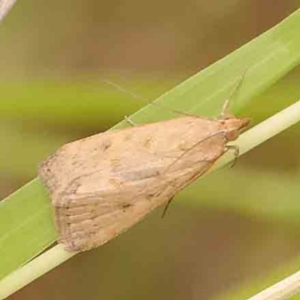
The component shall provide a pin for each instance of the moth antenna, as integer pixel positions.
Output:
(138, 97)
(225, 108)
(125, 91)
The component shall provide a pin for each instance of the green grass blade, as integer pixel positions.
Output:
(266, 58)
(27, 226)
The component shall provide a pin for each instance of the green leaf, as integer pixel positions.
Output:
(27, 226)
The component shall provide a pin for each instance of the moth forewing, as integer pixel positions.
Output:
(104, 184)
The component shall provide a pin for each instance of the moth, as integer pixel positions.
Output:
(102, 185)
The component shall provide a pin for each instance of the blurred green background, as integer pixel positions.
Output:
(230, 229)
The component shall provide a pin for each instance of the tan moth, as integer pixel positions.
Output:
(102, 185)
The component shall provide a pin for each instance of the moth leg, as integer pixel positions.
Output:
(167, 206)
(224, 112)
(236, 152)
(129, 121)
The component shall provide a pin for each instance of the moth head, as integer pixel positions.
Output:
(234, 127)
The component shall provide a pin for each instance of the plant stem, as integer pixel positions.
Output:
(281, 290)
(33, 270)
